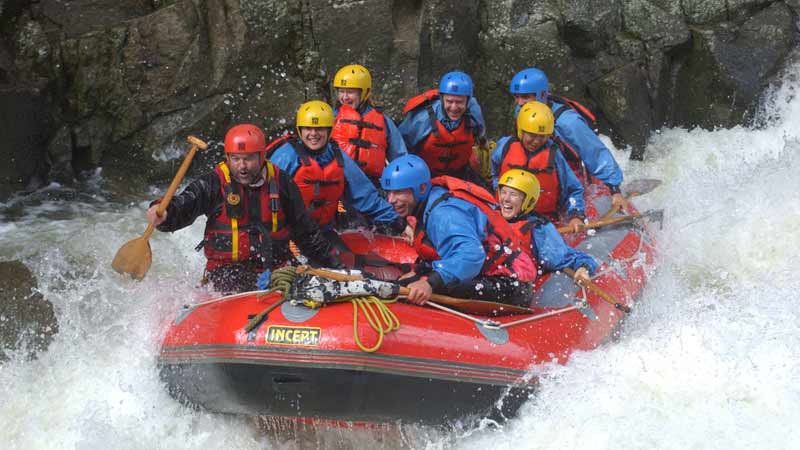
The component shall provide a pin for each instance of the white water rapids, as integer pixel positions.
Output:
(709, 359)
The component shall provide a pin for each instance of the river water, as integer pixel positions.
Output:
(709, 359)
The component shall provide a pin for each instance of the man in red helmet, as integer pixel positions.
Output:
(253, 210)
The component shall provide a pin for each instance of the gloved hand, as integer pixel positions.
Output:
(262, 283)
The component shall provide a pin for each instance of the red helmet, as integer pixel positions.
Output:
(245, 138)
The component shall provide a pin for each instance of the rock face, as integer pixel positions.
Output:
(119, 84)
(27, 321)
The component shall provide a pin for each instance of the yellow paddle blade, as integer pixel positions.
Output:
(133, 258)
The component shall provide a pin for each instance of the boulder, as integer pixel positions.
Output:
(391, 54)
(729, 66)
(448, 40)
(589, 27)
(711, 11)
(24, 130)
(27, 320)
(119, 85)
(631, 114)
(505, 42)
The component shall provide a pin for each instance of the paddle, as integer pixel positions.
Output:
(599, 291)
(632, 189)
(639, 186)
(134, 257)
(656, 215)
(481, 307)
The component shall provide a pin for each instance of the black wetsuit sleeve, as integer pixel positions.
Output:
(201, 197)
(303, 230)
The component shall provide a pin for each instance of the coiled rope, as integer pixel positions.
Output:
(379, 316)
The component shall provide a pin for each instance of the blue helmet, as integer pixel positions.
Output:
(456, 83)
(530, 81)
(407, 172)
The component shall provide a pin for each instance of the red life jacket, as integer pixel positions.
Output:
(542, 163)
(573, 105)
(321, 187)
(363, 138)
(524, 227)
(505, 254)
(444, 151)
(234, 235)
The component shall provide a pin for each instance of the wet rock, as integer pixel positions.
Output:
(391, 55)
(125, 82)
(656, 27)
(589, 27)
(509, 31)
(448, 39)
(59, 150)
(77, 17)
(24, 129)
(27, 320)
(630, 113)
(709, 11)
(728, 67)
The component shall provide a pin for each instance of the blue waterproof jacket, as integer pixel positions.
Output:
(550, 250)
(457, 229)
(572, 128)
(570, 197)
(416, 125)
(359, 192)
(396, 146)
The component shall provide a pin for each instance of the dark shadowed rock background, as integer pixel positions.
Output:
(118, 84)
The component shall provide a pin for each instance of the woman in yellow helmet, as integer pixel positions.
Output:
(326, 175)
(518, 192)
(535, 150)
(362, 131)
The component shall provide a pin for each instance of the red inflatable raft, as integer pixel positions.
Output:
(437, 366)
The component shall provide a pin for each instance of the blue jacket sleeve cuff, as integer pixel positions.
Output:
(435, 280)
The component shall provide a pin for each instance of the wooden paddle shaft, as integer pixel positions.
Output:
(187, 161)
(439, 297)
(597, 290)
(601, 223)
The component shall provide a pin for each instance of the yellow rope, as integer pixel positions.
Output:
(379, 316)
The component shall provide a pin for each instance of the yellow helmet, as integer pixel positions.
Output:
(314, 114)
(523, 181)
(354, 76)
(536, 118)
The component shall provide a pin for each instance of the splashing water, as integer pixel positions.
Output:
(709, 358)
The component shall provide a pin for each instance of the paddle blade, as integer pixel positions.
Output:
(639, 187)
(133, 258)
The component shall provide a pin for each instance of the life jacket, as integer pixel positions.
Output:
(249, 226)
(542, 163)
(574, 105)
(363, 138)
(524, 226)
(444, 151)
(505, 254)
(320, 187)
